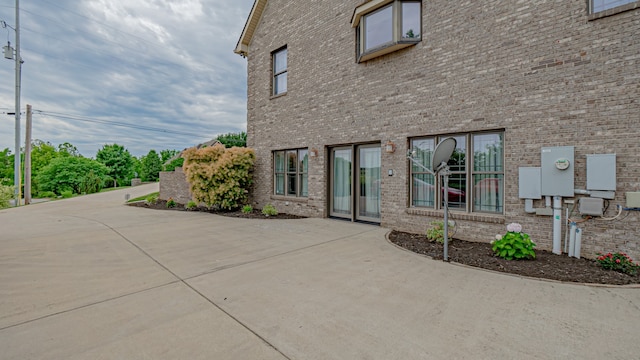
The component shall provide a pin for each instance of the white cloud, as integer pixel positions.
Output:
(151, 63)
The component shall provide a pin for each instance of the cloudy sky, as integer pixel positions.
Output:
(163, 68)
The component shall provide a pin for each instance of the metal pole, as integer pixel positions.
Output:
(16, 168)
(27, 158)
(445, 177)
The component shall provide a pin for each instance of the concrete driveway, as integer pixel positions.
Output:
(91, 278)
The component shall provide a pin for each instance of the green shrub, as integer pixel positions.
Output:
(247, 209)
(6, 194)
(66, 194)
(269, 210)
(219, 177)
(91, 183)
(47, 194)
(171, 203)
(70, 173)
(514, 244)
(152, 198)
(620, 262)
(191, 205)
(436, 231)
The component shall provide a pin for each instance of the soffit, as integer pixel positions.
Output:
(242, 47)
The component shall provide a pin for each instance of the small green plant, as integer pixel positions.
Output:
(152, 198)
(66, 194)
(514, 244)
(47, 194)
(436, 231)
(191, 205)
(620, 262)
(269, 210)
(171, 203)
(247, 209)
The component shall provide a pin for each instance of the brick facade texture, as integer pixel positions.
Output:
(173, 184)
(543, 72)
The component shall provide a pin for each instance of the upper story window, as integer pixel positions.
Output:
(279, 60)
(476, 180)
(602, 5)
(384, 26)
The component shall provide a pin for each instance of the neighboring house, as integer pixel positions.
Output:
(340, 90)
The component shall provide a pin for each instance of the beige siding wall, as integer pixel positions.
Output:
(540, 71)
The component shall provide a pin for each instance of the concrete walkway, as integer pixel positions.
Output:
(90, 278)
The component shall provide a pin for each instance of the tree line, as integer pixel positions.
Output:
(62, 169)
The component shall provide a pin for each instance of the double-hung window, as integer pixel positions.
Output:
(602, 5)
(476, 180)
(384, 26)
(279, 61)
(291, 172)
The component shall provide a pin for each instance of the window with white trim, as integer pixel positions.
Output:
(384, 26)
(476, 182)
(290, 172)
(602, 5)
(279, 60)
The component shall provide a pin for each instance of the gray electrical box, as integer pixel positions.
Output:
(601, 172)
(557, 171)
(529, 183)
(591, 206)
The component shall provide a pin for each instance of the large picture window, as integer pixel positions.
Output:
(279, 60)
(384, 26)
(290, 172)
(476, 182)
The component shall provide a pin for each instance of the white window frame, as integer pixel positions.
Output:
(398, 40)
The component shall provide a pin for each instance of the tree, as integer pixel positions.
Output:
(67, 149)
(233, 139)
(77, 174)
(6, 167)
(168, 154)
(118, 160)
(42, 153)
(171, 160)
(151, 166)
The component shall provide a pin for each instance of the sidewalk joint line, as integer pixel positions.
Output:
(183, 281)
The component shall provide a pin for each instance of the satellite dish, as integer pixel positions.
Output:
(442, 153)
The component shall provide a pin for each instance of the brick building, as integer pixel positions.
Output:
(340, 90)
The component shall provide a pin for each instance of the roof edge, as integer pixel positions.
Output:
(242, 47)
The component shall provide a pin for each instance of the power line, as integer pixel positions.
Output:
(115, 123)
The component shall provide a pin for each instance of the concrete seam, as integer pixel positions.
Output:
(89, 305)
(180, 280)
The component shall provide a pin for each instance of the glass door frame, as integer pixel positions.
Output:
(354, 199)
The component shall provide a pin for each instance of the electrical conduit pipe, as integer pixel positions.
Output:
(557, 225)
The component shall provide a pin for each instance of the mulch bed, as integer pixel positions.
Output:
(255, 214)
(546, 264)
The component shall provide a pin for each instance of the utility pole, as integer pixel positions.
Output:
(16, 169)
(27, 158)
